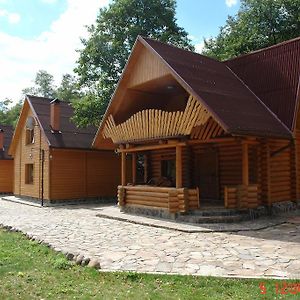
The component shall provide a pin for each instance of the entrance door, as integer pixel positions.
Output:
(206, 172)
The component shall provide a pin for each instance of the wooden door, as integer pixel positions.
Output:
(206, 171)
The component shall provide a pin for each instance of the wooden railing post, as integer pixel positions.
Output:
(123, 168)
(133, 168)
(121, 196)
(178, 166)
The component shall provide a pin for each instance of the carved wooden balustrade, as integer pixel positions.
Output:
(153, 123)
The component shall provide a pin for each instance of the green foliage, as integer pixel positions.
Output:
(9, 114)
(43, 85)
(109, 44)
(61, 263)
(258, 24)
(68, 89)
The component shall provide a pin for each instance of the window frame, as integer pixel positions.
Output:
(29, 173)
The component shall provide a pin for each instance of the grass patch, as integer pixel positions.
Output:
(29, 270)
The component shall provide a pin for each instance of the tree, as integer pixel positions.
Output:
(43, 85)
(68, 89)
(110, 41)
(9, 114)
(258, 24)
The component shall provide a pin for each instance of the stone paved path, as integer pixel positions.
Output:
(271, 252)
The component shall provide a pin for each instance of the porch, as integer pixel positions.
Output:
(184, 176)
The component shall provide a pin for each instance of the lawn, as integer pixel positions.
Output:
(29, 270)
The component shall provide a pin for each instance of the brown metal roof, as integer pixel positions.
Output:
(8, 133)
(231, 102)
(273, 75)
(71, 136)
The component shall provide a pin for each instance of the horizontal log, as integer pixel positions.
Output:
(148, 194)
(149, 188)
(147, 203)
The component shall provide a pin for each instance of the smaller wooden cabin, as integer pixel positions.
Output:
(6, 161)
(53, 159)
(203, 133)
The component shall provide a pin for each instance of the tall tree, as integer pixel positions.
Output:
(9, 114)
(258, 24)
(43, 85)
(109, 44)
(68, 89)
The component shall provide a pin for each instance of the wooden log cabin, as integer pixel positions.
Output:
(203, 133)
(6, 161)
(53, 159)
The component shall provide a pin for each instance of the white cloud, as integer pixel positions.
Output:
(53, 50)
(199, 47)
(49, 1)
(13, 18)
(230, 3)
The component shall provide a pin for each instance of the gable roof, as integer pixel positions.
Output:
(70, 137)
(273, 75)
(8, 133)
(216, 86)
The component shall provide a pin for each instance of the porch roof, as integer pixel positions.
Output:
(227, 98)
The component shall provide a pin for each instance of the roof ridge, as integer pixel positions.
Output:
(178, 48)
(263, 49)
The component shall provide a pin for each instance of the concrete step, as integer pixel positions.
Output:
(218, 212)
(198, 219)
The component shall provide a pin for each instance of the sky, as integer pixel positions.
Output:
(44, 35)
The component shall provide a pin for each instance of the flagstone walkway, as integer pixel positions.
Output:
(119, 245)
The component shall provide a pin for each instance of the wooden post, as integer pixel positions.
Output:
(245, 164)
(178, 167)
(145, 168)
(123, 168)
(133, 168)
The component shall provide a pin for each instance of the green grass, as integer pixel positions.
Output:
(29, 270)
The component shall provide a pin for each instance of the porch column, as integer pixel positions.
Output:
(146, 171)
(178, 167)
(133, 168)
(245, 161)
(123, 168)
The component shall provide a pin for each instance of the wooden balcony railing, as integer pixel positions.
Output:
(241, 196)
(154, 123)
(173, 199)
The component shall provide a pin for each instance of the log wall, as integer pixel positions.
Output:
(172, 199)
(280, 171)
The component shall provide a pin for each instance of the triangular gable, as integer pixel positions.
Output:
(21, 123)
(212, 83)
(150, 62)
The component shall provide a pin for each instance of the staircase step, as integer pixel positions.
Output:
(218, 212)
(213, 218)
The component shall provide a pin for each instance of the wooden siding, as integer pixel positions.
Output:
(84, 174)
(6, 176)
(31, 154)
(148, 67)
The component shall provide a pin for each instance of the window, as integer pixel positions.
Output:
(29, 136)
(29, 173)
(168, 170)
